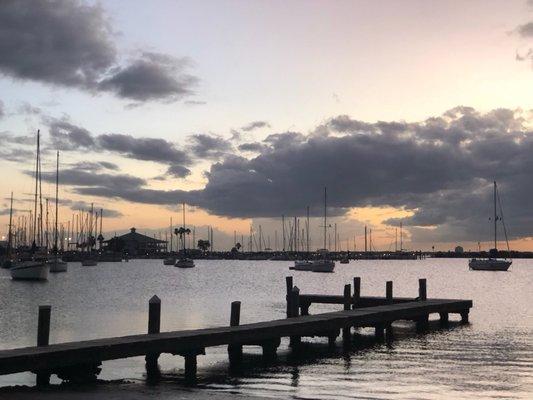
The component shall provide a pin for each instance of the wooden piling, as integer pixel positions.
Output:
(191, 367)
(347, 305)
(289, 283)
(235, 350)
(43, 338)
(294, 313)
(356, 291)
(388, 292)
(379, 331)
(154, 326)
(422, 289)
(464, 316)
(444, 318)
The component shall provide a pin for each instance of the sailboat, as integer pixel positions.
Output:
(33, 267)
(323, 264)
(184, 262)
(493, 263)
(55, 262)
(90, 260)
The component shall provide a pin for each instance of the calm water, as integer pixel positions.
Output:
(490, 358)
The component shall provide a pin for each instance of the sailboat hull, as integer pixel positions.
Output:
(169, 261)
(490, 264)
(89, 263)
(184, 263)
(57, 265)
(30, 270)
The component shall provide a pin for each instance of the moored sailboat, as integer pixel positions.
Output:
(493, 263)
(55, 262)
(184, 262)
(34, 267)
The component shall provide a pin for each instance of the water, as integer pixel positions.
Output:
(490, 358)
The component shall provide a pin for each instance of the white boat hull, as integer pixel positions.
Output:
(490, 264)
(57, 265)
(184, 263)
(323, 266)
(30, 270)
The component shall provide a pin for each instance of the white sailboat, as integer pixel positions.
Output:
(184, 262)
(55, 262)
(493, 263)
(34, 268)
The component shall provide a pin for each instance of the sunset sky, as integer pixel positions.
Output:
(406, 110)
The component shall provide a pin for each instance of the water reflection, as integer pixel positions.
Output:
(491, 358)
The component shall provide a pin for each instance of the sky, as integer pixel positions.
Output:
(407, 111)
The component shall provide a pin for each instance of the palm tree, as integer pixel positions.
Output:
(203, 245)
(181, 232)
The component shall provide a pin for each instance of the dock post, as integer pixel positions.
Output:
(464, 316)
(43, 338)
(294, 313)
(154, 326)
(379, 332)
(356, 291)
(444, 318)
(288, 281)
(235, 350)
(190, 369)
(422, 290)
(347, 305)
(388, 291)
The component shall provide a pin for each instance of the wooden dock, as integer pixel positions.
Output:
(79, 361)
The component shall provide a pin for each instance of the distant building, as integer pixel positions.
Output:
(459, 249)
(135, 244)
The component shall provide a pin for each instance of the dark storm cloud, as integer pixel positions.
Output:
(210, 147)
(255, 125)
(151, 77)
(178, 171)
(146, 149)
(70, 43)
(59, 42)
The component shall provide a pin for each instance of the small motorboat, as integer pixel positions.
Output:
(184, 263)
(169, 261)
(56, 264)
(36, 270)
(324, 265)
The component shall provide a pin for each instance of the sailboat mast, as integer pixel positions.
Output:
(34, 230)
(307, 231)
(57, 200)
(9, 234)
(325, 215)
(495, 217)
(183, 227)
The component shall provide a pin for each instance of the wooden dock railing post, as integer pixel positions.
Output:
(294, 313)
(289, 282)
(43, 338)
(235, 350)
(388, 292)
(154, 326)
(356, 291)
(423, 322)
(422, 290)
(347, 306)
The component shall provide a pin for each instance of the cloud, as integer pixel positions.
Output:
(178, 171)
(209, 147)
(152, 76)
(65, 43)
(94, 166)
(70, 43)
(146, 149)
(255, 125)
(2, 109)
(256, 147)
(525, 30)
(76, 177)
(27, 109)
(77, 205)
(66, 136)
